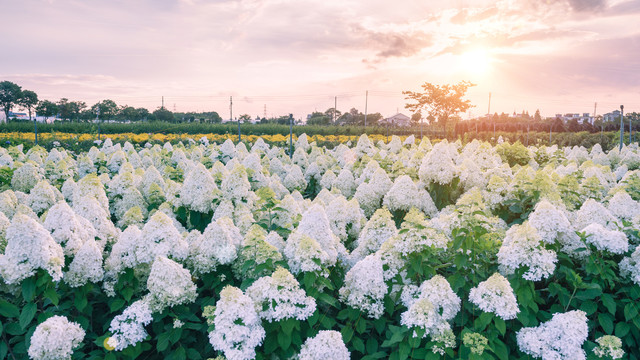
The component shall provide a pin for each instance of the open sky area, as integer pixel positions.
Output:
(296, 55)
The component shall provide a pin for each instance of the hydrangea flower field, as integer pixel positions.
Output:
(405, 250)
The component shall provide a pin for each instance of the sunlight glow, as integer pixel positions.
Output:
(475, 62)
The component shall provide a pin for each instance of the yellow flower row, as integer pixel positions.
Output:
(141, 138)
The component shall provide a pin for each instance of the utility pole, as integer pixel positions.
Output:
(335, 106)
(290, 136)
(230, 108)
(163, 102)
(366, 102)
(265, 111)
(98, 119)
(621, 125)
(630, 132)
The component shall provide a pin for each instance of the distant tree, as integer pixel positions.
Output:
(440, 101)
(77, 107)
(537, 117)
(141, 114)
(128, 113)
(318, 118)
(10, 94)
(215, 117)
(28, 100)
(162, 114)
(108, 109)
(65, 109)
(46, 108)
(416, 117)
(244, 118)
(373, 119)
(333, 114)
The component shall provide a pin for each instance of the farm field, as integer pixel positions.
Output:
(199, 247)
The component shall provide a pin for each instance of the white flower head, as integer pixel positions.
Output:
(495, 295)
(328, 344)
(279, 296)
(128, 327)
(169, 284)
(55, 339)
(238, 330)
(364, 287)
(559, 338)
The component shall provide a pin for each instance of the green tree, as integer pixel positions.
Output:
(162, 114)
(10, 94)
(108, 109)
(440, 101)
(65, 109)
(537, 116)
(46, 108)
(128, 113)
(333, 114)
(77, 107)
(318, 118)
(142, 114)
(28, 100)
(244, 118)
(415, 118)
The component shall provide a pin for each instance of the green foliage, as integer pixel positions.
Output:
(513, 154)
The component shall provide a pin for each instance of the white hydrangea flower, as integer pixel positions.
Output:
(238, 330)
(160, 238)
(430, 307)
(438, 166)
(303, 254)
(327, 344)
(199, 190)
(630, 266)
(8, 203)
(495, 295)
(559, 338)
(622, 206)
(378, 229)
(364, 287)
(169, 284)
(403, 195)
(294, 179)
(25, 177)
(67, 228)
(602, 238)
(128, 328)
(523, 246)
(549, 221)
(345, 183)
(236, 186)
(29, 247)
(41, 197)
(594, 212)
(609, 346)
(86, 265)
(55, 339)
(217, 245)
(90, 186)
(89, 208)
(279, 296)
(342, 214)
(415, 235)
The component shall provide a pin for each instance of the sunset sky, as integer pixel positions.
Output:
(296, 55)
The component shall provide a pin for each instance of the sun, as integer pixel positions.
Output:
(475, 62)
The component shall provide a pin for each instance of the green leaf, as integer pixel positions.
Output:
(483, 320)
(163, 341)
(28, 288)
(501, 350)
(180, 354)
(28, 312)
(116, 305)
(127, 293)
(347, 333)
(284, 340)
(287, 326)
(606, 322)
(622, 329)
(9, 310)
(80, 302)
(609, 303)
(630, 311)
(500, 325)
(372, 345)
(358, 344)
(52, 295)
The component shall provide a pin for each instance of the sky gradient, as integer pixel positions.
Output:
(296, 55)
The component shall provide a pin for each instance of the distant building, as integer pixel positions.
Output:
(583, 118)
(612, 116)
(398, 119)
